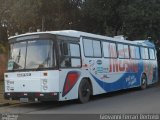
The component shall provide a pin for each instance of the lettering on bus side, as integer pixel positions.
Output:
(123, 66)
(150, 69)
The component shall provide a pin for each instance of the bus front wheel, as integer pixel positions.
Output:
(84, 91)
(143, 82)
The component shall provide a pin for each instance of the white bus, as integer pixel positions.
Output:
(68, 64)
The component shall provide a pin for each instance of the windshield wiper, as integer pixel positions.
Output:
(18, 56)
(42, 65)
(15, 64)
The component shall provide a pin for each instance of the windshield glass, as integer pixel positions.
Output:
(31, 55)
(17, 56)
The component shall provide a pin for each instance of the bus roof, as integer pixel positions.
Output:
(71, 33)
(78, 34)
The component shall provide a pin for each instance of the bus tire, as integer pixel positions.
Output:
(84, 91)
(143, 82)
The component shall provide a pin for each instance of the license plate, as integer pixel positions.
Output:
(24, 100)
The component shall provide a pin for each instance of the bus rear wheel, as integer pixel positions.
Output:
(143, 82)
(84, 91)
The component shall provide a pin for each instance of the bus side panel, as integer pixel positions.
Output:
(96, 70)
(116, 79)
(53, 81)
(68, 82)
(69, 90)
(135, 69)
(115, 74)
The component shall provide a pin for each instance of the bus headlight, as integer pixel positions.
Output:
(45, 87)
(44, 81)
(44, 84)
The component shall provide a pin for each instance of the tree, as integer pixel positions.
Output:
(138, 19)
(23, 16)
(4, 12)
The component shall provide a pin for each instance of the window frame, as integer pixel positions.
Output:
(92, 39)
(69, 56)
(154, 53)
(107, 41)
(135, 54)
(45, 36)
(123, 50)
(147, 52)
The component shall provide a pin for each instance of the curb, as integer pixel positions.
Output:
(4, 104)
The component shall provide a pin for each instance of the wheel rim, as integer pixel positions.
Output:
(143, 82)
(85, 90)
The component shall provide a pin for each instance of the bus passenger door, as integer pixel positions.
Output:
(70, 64)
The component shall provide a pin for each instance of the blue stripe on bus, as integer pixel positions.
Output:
(117, 85)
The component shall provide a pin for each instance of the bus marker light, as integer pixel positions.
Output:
(52, 94)
(37, 94)
(45, 82)
(45, 74)
(41, 94)
(36, 99)
(45, 87)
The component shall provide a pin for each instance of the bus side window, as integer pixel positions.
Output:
(65, 49)
(144, 53)
(64, 55)
(121, 51)
(134, 52)
(106, 49)
(113, 50)
(137, 52)
(75, 55)
(88, 48)
(97, 48)
(126, 51)
(92, 48)
(109, 50)
(151, 54)
(70, 55)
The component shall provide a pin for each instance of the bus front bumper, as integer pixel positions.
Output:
(32, 96)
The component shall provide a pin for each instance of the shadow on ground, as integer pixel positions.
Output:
(56, 104)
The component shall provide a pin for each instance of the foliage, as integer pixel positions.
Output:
(136, 19)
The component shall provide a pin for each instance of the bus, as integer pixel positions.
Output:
(68, 64)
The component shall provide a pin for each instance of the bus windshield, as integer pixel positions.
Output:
(33, 54)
